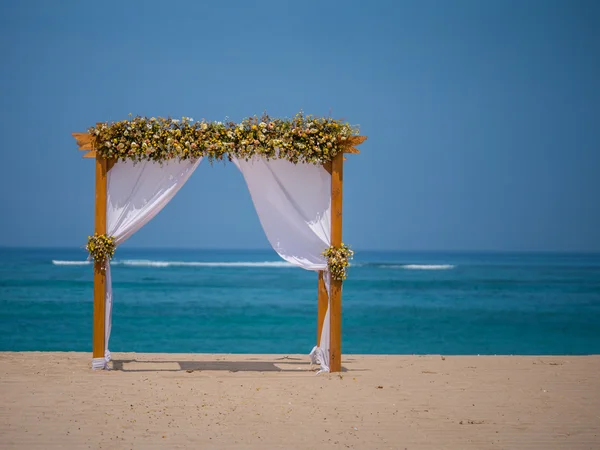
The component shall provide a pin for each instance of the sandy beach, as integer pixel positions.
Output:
(53, 400)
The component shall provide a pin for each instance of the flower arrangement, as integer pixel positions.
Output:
(101, 247)
(337, 260)
(301, 139)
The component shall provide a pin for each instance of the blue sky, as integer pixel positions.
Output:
(482, 116)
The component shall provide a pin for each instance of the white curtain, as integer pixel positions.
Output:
(135, 194)
(293, 203)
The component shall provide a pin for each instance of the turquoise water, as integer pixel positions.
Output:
(251, 302)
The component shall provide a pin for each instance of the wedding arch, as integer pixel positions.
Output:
(293, 169)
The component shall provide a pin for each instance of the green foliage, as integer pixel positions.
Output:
(338, 261)
(301, 139)
(101, 247)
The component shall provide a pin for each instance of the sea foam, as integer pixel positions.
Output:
(70, 263)
(151, 263)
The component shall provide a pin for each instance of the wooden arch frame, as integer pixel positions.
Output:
(335, 167)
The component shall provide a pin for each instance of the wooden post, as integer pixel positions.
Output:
(323, 299)
(335, 314)
(99, 272)
(322, 306)
(102, 168)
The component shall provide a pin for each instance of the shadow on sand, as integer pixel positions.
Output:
(285, 364)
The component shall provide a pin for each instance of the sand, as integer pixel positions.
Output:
(172, 401)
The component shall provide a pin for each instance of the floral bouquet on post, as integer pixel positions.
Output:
(101, 247)
(338, 261)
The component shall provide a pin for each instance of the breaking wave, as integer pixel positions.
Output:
(405, 266)
(70, 263)
(268, 264)
(150, 263)
(426, 266)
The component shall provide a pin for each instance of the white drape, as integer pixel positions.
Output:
(135, 194)
(293, 203)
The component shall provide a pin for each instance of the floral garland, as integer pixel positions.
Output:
(101, 247)
(301, 139)
(337, 260)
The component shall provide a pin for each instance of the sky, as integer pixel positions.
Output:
(482, 117)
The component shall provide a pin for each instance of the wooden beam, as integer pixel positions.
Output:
(349, 144)
(84, 140)
(98, 345)
(322, 306)
(335, 301)
(323, 299)
(102, 168)
(355, 140)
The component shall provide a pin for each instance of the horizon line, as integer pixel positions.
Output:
(483, 251)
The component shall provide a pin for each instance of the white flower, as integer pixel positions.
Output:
(175, 120)
(219, 123)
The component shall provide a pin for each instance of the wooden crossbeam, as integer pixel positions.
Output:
(349, 144)
(85, 143)
(356, 140)
(84, 140)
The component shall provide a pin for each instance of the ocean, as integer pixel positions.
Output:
(223, 301)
